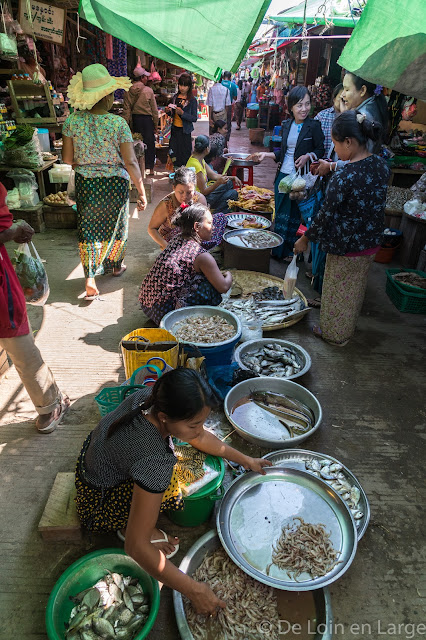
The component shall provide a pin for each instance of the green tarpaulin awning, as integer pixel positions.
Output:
(203, 36)
(315, 15)
(388, 46)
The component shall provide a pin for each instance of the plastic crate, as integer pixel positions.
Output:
(110, 398)
(404, 300)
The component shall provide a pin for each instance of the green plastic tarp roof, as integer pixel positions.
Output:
(315, 15)
(203, 36)
(388, 46)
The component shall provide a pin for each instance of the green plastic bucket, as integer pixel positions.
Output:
(199, 506)
(84, 573)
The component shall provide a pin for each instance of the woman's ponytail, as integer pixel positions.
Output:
(353, 124)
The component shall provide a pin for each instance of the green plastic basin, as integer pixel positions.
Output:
(199, 506)
(84, 573)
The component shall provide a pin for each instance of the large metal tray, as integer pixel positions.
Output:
(210, 542)
(275, 240)
(173, 319)
(240, 159)
(256, 507)
(267, 433)
(296, 458)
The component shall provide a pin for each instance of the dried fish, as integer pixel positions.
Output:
(204, 329)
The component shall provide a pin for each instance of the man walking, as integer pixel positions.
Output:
(233, 90)
(219, 103)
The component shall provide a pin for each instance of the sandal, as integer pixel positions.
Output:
(51, 426)
(119, 272)
(165, 539)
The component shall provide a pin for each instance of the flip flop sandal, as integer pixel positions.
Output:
(165, 539)
(120, 272)
(54, 423)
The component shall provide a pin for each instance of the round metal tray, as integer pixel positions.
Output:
(240, 159)
(275, 239)
(208, 543)
(175, 317)
(255, 508)
(296, 458)
(267, 433)
(232, 220)
(254, 345)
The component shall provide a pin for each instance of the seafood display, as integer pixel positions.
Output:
(115, 607)
(205, 329)
(248, 603)
(269, 293)
(254, 199)
(332, 473)
(295, 416)
(246, 221)
(304, 548)
(275, 360)
(270, 311)
(411, 278)
(253, 239)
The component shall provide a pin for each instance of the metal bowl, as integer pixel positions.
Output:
(276, 385)
(210, 542)
(239, 159)
(253, 345)
(177, 316)
(275, 239)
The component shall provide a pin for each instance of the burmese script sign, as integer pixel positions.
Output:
(48, 21)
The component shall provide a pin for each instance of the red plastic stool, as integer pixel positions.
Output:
(235, 170)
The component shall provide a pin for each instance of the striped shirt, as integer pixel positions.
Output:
(136, 450)
(326, 119)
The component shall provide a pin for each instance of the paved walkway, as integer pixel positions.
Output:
(374, 416)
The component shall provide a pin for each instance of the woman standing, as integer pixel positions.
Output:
(184, 274)
(184, 109)
(140, 107)
(160, 226)
(99, 145)
(362, 95)
(217, 189)
(126, 465)
(301, 136)
(349, 226)
(218, 146)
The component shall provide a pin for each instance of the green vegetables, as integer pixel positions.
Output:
(19, 138)
(286, 183)
(31, 275)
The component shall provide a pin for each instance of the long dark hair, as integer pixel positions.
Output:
(184, 175)
(218, 125)
(346, 125)
(186, 217)
(181, 394)
(295, 95)
(185, 79)
(380, 99)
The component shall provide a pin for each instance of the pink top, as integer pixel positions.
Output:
(366, 252)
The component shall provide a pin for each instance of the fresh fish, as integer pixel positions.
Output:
(91, 599)
(335, 467)
(357, 514)
(313, 464)
(355, 496)
(103, 628)
(325, 473)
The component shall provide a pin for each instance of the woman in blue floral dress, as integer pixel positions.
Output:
(99, 145)
(349, 226)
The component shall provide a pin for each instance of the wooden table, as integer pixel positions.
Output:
(39, 173)
(412, 172)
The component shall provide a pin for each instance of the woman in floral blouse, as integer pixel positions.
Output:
(99, 145)
(349, 226)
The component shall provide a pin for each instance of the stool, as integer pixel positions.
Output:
(235, 171)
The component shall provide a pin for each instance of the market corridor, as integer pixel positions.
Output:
(372, 395)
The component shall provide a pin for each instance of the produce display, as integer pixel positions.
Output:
(115, 607)
(254, 199)
(204, 329)
(60, 198)
(31, 275)
(397, 197)
(20, 137)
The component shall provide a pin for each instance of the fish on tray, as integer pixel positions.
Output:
(273, 360)
(115, 607)
(295, 416)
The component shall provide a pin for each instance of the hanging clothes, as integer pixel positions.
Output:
(118, 65)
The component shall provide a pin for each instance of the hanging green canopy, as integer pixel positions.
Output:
(315, 10)
(388, 46)
(203, 36)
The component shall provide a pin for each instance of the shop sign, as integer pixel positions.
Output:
(304, 55)
(48, 21)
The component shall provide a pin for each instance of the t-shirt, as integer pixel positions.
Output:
(198, 166)
(288, 162)
(232, 88)
(97, 140)
(136, 450)
(13, 310)
(218, 97)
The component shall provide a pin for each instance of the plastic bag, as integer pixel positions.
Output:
(31, 274)
(27, 186)
(290, 279)
(285, 184)
(71, 187)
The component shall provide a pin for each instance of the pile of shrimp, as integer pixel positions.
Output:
(306, 548)
(249, 603)
(204, 329)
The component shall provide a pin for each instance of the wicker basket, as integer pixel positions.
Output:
(404, 300)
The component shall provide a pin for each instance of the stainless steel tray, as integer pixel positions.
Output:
(296, 458)
(256, 507)
(240, 159)
(274, 240)
(210, 542)
(234, 220)
(251, 346)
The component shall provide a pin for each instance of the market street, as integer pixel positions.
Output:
(372, 395)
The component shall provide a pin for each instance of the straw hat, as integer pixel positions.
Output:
(92, 84)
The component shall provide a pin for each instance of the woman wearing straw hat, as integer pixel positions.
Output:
(100, 147)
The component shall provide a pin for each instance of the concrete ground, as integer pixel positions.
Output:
(371, 391)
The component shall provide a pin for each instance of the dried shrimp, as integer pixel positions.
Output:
(248, 603)
(306, 548)
(205, 329)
